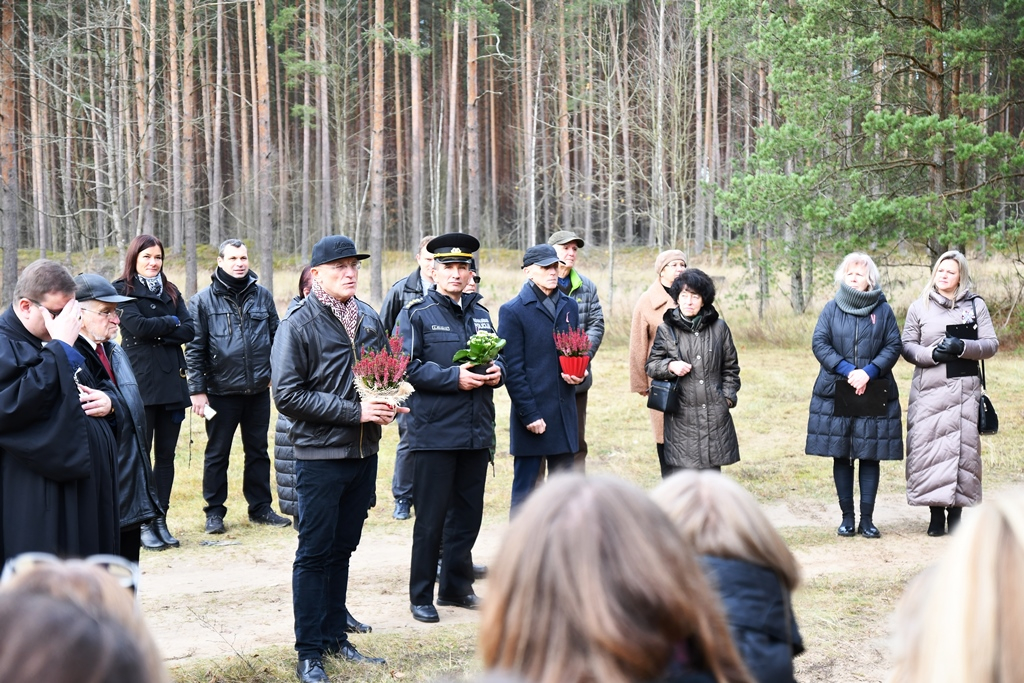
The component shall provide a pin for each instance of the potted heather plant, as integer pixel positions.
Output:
(573, 351)
(483, 348)
(380, 375)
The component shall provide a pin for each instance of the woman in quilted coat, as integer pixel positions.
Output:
(856, 341)
(943, 445)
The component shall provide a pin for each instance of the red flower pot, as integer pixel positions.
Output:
(574, 366)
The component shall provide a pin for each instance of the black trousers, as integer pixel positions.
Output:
(252, 414)
(162, 429)
(449, 488)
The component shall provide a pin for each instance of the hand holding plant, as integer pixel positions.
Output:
(574, 342)
(380, 375)
(483, 348)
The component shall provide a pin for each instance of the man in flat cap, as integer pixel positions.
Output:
(108, 363)
(576, 286)
(335, 435)
(450, 428)
(543, 421)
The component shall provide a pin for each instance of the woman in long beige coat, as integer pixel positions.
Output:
(648, 314)
(943, 444)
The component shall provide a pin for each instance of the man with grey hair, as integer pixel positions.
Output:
(410, 288)
(229, 372)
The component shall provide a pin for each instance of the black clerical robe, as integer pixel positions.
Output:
(58, 466)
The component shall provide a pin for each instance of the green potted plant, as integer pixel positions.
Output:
(573, 351)
(483, 348)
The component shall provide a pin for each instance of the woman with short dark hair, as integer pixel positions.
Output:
(694, 347)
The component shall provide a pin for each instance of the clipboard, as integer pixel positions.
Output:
(872, 403)
(962, 367)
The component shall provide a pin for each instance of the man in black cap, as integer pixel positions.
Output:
(543, 421)
(58, 488)
(108, 363)
(451, 427)
(336, 436)
(229, 369)
(581, 288)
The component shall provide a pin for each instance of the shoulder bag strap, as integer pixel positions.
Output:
(974, 309)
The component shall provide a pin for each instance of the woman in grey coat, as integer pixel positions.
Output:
(857, 342)
(694, 346)
(943, 444)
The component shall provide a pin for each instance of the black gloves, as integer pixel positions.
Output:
(953, 345)
(949, 349)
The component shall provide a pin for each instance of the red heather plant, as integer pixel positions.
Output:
(575, 342)
(383, 370)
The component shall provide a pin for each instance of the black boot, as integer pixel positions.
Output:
(150, 541)
(867, 529)
(847, 527)
(160, 525)
(937, 525)
(954, 518)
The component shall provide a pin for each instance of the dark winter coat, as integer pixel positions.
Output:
(760, 614)
(943, 444)
(58, 466)
(700, 434)
(313, 384)
(152, 340)
(138, 503)
(401, 293)
(441, 416)
(533, 374)
(584, 291)
(873, 339)
(230, 353)
(284, 453)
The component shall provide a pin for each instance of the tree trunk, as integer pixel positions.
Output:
(377, 159)
(264, 161)
(145, 216)
(416, 126)
(564, 161)
(216, 175)
(453, 100)
(323, 123)
(307, 152)
(8, 151)
(472, 129)
(176, 180)
(188, 148)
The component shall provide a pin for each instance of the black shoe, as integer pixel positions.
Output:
(954, 517)
(349, 652)
(215, 525)
(937, 523)
(402, 508)
(479, 571)
(471, 601)
(868, 530)
(164, 534)
(352, 625)
(270, 518)
(150, 541)
(311, 671)
(425, 613)
(846, 529)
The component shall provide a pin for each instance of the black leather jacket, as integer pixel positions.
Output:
(313, 383)
(230, 353)
(441, 416)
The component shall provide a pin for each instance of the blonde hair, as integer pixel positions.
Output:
(862, 259)
(968, 614)
(594, 583)
(718, 517)
(96, 592)
(965, 276)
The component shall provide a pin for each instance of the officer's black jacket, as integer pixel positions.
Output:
(441, 417)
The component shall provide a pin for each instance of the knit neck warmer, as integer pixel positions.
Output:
(235, 284)
(153, 284)
(856, 302)
(345, 311)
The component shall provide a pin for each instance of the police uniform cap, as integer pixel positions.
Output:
(453, 247)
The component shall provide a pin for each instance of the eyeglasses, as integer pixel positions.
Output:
(127, 573)
(342, 266)
(675, 264)
(48, 310)
(117, 312)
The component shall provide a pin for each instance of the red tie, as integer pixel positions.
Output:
(106, 362)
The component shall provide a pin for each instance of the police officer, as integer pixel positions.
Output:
(451, 428)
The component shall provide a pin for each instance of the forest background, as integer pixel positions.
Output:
(763, 131)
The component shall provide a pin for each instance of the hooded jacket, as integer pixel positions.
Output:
(701, 433)
(943, 444)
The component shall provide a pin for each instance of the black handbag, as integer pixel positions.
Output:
(988, 420)
(662, 395)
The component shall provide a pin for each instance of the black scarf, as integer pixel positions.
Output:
(235, 284)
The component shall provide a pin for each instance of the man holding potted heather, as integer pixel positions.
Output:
(543, 422)
(454, 366)
(335, 432)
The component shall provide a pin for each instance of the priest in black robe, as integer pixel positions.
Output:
(58, 452)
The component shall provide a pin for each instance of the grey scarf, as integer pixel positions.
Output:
(153, 284)
(856, 302)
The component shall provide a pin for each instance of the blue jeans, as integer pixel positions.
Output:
(333, 499)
